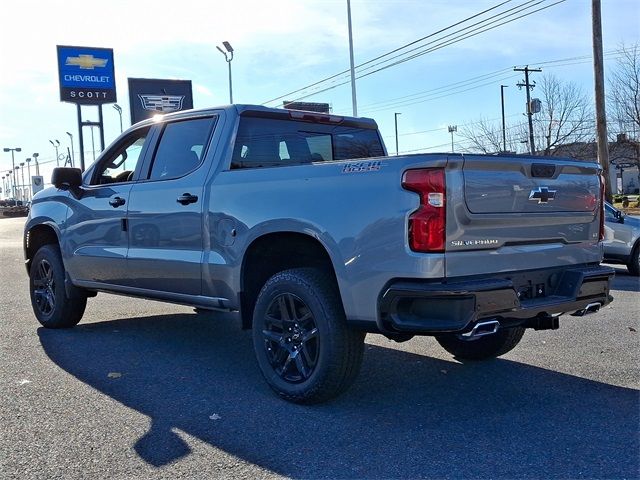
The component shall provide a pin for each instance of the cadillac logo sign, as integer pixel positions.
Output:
(152, 96)
(162, 103)
(37, 183)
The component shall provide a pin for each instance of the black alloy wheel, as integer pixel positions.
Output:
(55, 304)
(305, 349)
(44, 285)
(291, 338)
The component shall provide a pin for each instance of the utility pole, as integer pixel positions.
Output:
(504, 128)
(396, 117)
(528, 86)
(354, 102)
(601, 118)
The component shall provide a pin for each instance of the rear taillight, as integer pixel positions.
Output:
(427, 224)
(602, 191)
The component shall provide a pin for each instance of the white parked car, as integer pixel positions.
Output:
(622, 241)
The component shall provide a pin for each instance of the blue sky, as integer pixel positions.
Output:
(283, 45)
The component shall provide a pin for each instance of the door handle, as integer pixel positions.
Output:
(116, 202)
(187, 198)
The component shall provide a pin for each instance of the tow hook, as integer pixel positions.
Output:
(591, 308)
(483, 328)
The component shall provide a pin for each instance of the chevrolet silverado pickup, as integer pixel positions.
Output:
(302, 226)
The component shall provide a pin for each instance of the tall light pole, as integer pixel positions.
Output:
(8, 177)
(354, 102)
(504, 129)
(118, 109)
(452, 128)
(23, 184)
(35, 158)
(13, 165)
(29, 177)
(396, 120)
(93, 145)
(228, 58)
(4, 187)
(56, 145)
(16, 185)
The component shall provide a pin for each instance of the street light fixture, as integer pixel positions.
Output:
(118, 109)
(56, 145)
(452, 128)
(228, 59)
(35, 157)
(73, 155)
(13, 165)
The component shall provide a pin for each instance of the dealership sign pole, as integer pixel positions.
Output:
(87, 77)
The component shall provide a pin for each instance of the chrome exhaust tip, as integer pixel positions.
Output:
(483, 328)
(591, 308)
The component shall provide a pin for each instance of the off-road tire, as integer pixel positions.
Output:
(290, 305)
(484, 347)
(54, 305)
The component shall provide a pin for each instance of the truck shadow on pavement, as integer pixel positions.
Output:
(407, 415)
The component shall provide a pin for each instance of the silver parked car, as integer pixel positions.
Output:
(622, 241)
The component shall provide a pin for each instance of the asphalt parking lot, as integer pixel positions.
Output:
(142, 389)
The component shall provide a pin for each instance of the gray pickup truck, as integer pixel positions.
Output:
(301, 225)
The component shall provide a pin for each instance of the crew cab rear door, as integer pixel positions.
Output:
(165, 222)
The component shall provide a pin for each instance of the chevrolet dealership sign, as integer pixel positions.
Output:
(87, 75)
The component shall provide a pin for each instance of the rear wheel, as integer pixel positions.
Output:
(53, 306)
(303, 345)
(484, 347)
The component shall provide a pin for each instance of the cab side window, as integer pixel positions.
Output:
(181, 148)
(119, 166)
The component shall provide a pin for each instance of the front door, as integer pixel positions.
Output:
(96, 225)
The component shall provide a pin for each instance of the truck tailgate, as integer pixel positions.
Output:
(519, 213)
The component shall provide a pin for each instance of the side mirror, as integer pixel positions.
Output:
(66, 178)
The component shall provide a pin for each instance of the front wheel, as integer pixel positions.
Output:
(484, 347)
(634, 262)
(53, 306)
(304, 348)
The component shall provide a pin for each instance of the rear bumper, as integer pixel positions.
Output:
(418, 307)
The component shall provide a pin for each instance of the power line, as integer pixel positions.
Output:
(437, 47)
(428, 95)
(398, 49)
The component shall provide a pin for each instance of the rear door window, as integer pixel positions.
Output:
(181, 148)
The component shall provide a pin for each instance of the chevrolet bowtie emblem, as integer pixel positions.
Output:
(86, 62)
(542, 195)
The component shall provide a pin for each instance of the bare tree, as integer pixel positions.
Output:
(624, 92)
(624, 109)
(565, 117)
(485, 136)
